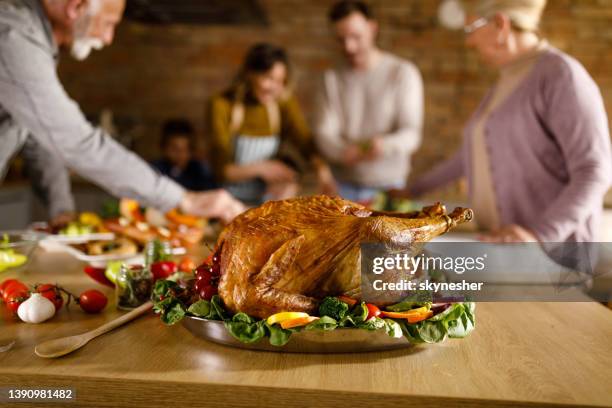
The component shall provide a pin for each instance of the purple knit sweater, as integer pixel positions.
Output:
(549, 150)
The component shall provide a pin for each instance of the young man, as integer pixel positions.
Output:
(34, 104)
(178, 163)
(371, 109)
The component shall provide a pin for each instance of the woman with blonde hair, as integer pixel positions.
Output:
(536, 153)
(247, 124)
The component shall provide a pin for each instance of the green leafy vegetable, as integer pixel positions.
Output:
(418, 299)
(333, 307)
(375, 323)
(324, 323)
(393, 328)
(245, 328)
(201, 308)
(217, 309)
(173, 314)
(359, 313)
(278, 335)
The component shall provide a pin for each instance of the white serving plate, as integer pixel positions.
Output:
(96, 260)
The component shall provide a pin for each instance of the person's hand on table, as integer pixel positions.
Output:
(275, 171)
(212, 204)
(62, 220)
(509, 233)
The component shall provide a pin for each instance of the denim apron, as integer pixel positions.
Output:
(250, 149)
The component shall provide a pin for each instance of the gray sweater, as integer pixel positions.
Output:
(33, 103)
(354, 106)
(549, 149)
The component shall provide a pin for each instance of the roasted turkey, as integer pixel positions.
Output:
(287, 255)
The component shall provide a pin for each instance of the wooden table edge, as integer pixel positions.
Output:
(101, 392)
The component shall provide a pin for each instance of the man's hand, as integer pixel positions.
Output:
(374, 150)
(61, 220)
(212, 204)
(275, 171)
(367, 150)
(352, 155)
(510, 233)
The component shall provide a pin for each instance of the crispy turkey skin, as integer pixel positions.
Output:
(287, 255)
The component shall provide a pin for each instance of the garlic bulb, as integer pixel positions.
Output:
(36, 309)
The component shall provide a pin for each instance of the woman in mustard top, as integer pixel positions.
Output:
(247, 124)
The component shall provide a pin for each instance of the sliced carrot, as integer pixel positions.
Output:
(299, 321)
(348, 300)
(419, 317)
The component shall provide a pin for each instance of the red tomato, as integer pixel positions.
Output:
(16, 299)
(13, 287)
(5, 283)
(52, 293)
(373, 311)
(92, 301)
(163, 269)
(186, 265)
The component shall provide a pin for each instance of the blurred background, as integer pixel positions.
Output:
(169, 56)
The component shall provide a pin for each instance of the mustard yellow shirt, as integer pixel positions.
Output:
(256, 123)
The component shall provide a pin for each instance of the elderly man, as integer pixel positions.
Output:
(371, 109)
(34, 106)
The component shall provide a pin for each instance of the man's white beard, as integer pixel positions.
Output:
(82, 47)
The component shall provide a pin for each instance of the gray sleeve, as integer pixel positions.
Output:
(410, 112)
(31, 92)
(327, 126)
(50, 178)
(12, 138)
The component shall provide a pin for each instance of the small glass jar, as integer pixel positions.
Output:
(134, 286)
(157, 250)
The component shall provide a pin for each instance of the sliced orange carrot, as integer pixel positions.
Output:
(419, 317)
(348, 300)
(297, 322)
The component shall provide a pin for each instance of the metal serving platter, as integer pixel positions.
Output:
(341, 340)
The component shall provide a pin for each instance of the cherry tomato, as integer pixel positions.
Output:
(16, 299)
(207, 292)
(52, 293)
(13, 287)
(92, 301)
(5, 283)
(373, 311)
(163, 269)
(186, 265)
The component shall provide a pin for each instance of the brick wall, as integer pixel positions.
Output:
(155, 72)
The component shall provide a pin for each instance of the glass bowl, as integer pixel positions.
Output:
(16, 247)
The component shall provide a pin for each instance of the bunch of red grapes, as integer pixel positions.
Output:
(207, 278)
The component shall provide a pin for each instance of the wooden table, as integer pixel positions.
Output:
(521, 354)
